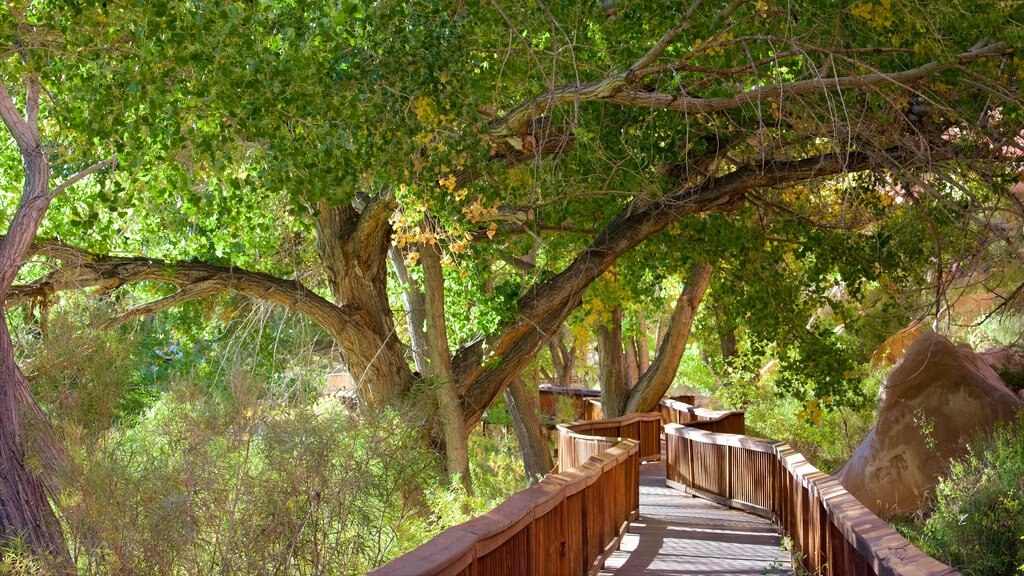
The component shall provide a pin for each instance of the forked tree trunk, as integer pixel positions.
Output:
(563, 358)
(533, 444)
(353, 246)
(24, 509)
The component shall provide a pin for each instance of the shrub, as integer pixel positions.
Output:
(978, 521)
(248, 484)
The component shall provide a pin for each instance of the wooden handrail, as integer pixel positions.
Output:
(567, 524)
(727, 422)
(548, 398)
(833, 531)
(581, 439)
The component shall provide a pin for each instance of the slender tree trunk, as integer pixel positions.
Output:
(533, 444)
(611, 366)
(440, 368)
(415, 309)
(652, 386)
(643, 353)
(726, 336)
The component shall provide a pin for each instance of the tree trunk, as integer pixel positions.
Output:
(440, 368)
(24, 509)
(353, 248)
(643, 353)
(632, 371)
(563, 358)
(533, 444)
(653, 385)
(611, 366)
(415, 309)
(726, 337)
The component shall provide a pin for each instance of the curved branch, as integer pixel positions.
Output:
(547, 305)
(81, 269)
(74, 179)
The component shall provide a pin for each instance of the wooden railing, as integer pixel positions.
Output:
(581, 440)
(567, 524)
(726, 422)
(548, 398)
(834, 533)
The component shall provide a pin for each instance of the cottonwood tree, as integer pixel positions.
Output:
(351, 127)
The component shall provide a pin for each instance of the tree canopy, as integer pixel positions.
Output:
(507, 156)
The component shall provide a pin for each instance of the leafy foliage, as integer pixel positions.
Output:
(978, 522)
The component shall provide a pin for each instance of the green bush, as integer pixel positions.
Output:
(248, 484)
(978, 522)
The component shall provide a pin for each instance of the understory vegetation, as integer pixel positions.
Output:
(197, 463)
(977, 523)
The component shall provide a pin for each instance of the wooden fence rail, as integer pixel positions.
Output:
(833, 531)
(581, 440)
(726, 422)
(567, 524)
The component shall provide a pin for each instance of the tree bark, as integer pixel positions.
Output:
(612, 366)
(440, 368)
(643, 353)
(24, 509)
(533, 444)
(653, 385)
(353, 247)
(632, 365)
(415, 309)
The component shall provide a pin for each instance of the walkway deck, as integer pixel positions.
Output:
(680, 534)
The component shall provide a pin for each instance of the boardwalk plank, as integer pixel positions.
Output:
(679, 534)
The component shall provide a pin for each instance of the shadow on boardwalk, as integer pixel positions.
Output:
(679, 534)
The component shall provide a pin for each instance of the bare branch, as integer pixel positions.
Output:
(202, 289)
(613, 89)
(27, 139)
(82, 174)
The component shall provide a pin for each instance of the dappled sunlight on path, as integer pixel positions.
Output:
(680, 534)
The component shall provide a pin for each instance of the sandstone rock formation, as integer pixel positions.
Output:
(937, 397)
(894, 346)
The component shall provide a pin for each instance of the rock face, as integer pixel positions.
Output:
(938, 396)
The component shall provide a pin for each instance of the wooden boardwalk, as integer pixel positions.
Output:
(680, 534)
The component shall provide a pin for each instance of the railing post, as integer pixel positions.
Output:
(728, 472)
(689, 457)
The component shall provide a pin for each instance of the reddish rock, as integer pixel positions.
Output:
(1004, 360)
(894, 346)
(938, 396)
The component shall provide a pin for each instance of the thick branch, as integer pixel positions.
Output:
(81, 269)
(547, 305)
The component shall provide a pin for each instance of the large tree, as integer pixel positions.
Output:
(330, 134)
